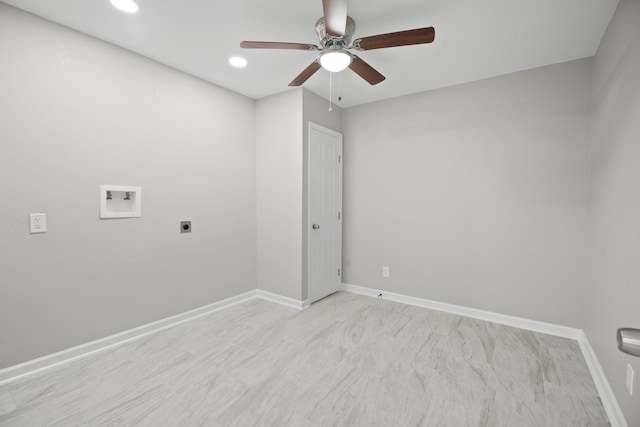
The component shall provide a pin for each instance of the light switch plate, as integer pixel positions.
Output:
(38, 223)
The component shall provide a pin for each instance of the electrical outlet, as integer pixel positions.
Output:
(385, 271)
(630, 379)
(38, 223)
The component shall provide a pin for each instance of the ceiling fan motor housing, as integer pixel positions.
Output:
(327, 41)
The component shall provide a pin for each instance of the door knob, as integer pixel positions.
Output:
(629, 341)
(315, 226)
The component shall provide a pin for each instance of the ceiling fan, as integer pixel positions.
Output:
(335, 30)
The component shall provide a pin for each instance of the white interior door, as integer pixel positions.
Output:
(325, 212)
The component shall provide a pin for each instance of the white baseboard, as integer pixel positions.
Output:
(30, 367)
(609, 401)
(279, 299)
(616, 417)
(503, 319)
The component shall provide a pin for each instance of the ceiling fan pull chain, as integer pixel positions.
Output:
(330, 78)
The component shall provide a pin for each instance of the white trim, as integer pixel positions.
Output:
(503, 319)
(279, 299)
(609, 401)
(15, 372)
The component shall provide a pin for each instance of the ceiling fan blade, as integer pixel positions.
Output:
(305, 74)
(366, 71)
(401, 38)
(335, 16)
(277, 45)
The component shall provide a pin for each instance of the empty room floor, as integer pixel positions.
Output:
(348, 360)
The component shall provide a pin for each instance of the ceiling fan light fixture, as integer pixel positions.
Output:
(335, 60)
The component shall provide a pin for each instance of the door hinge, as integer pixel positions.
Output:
(338, 215)
(338, 272)
(339, 159)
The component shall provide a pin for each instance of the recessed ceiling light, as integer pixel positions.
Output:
(128, 6)
(237, 61)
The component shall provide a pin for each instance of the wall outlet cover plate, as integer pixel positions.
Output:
(38, 223)
(385, 271)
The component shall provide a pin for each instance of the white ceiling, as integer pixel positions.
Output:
(474, 39)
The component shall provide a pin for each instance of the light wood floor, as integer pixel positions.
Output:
(348, 360)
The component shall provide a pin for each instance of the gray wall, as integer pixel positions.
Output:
(614, 202)
(279, 192)
(77, 113)
(474, 194)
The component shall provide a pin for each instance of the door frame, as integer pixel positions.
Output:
(314, 126)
